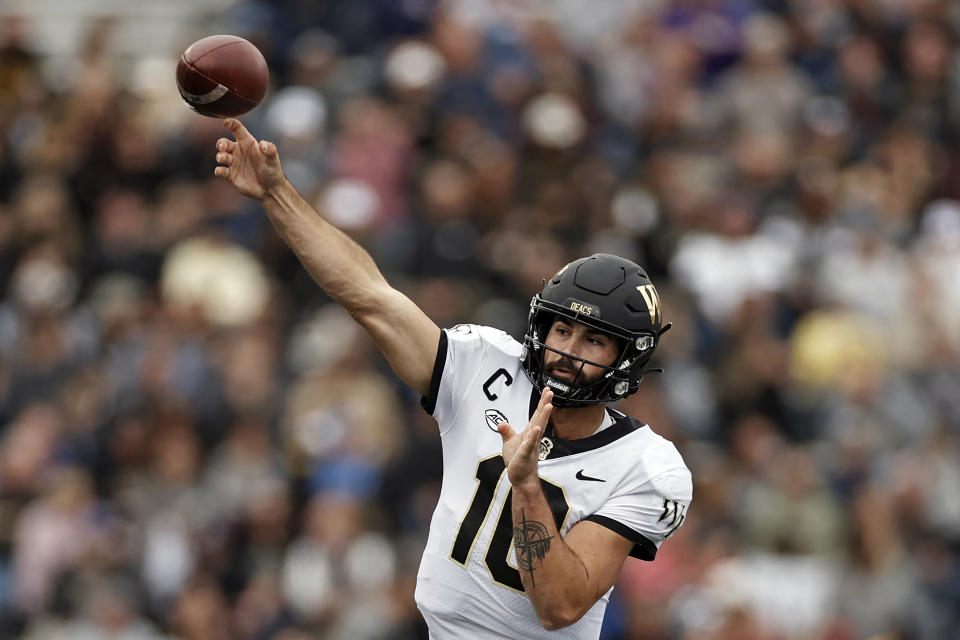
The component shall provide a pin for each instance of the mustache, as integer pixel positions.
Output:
(565, 363)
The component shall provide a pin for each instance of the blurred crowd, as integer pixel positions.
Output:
(196, 444)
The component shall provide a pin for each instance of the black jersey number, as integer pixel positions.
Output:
(489, 472)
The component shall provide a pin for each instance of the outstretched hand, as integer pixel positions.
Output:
(521, 451)
(250, 165)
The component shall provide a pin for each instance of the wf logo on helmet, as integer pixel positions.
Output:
(652, 298)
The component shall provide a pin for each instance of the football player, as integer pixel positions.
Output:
(546, 490)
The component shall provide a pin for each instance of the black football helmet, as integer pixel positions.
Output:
(610, 294)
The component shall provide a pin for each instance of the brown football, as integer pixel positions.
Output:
(222, 76)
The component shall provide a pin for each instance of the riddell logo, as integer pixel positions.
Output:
(494, 418)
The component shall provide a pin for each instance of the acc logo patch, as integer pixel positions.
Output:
(494, 418)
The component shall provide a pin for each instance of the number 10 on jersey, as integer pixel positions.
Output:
(489, 473)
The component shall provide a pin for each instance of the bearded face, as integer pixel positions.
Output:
(583, 343)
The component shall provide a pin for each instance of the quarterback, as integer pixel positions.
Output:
(546, 490)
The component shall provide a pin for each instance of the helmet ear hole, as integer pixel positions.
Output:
(644, 343)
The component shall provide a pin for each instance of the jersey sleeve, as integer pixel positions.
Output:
(650, 510)
(460, 357)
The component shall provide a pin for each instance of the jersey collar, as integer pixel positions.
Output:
(622, 425)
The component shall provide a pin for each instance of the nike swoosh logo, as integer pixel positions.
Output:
(580, 476)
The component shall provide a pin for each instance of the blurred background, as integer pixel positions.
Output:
(195, 444)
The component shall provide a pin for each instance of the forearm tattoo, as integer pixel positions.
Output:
(532, 543)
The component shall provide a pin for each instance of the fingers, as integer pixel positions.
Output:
(225, 149)
(224, 158)
(530, 442)
(542, 414)
(268, 149)
(506, 431)
(239, 131)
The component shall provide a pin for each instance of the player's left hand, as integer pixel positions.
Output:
(521, 451)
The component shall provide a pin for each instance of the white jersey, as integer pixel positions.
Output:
(624, 477)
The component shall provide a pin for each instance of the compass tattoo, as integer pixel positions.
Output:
(532, 543)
